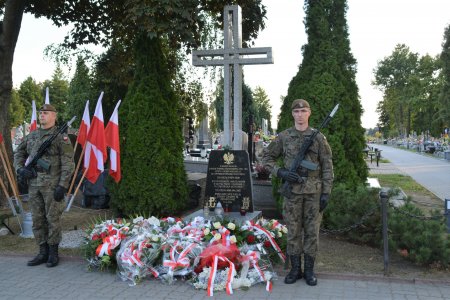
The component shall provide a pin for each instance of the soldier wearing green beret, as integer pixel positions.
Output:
(310, 188)
(46, 188)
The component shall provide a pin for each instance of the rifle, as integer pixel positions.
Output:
(300, 161)
(43, 148)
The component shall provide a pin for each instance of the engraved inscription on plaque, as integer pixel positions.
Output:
(229, 181)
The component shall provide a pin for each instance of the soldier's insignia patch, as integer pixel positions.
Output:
(65, 138)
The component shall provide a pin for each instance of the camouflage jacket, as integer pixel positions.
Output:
(59, 155)
(287, 145)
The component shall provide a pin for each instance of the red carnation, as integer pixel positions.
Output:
(95, 237)
(103, 235)
(267, 244)
(251, 238)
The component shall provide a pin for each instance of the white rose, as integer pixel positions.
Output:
(231, 226)
(233, 239)
(155, 238)
(217, 225)
(206, 231)
(217, 236)
(280, 234)
(284, 229)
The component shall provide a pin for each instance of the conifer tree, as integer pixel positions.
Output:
(16, 110)
(80, 90)
(28, 91)
(327, 77)
(248, 106)
(153, 176)
(444, 97)
(58, 92)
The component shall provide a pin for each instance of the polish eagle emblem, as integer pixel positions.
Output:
(228, 158)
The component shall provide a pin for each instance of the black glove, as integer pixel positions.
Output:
(58, 195)
(288, 175)
(323, 201)
(24, 173)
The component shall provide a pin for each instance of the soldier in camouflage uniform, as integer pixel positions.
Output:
(46, 188)
(310, 189)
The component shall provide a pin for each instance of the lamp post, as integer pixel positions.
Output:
(447, 213)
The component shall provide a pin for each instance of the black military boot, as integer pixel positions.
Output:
(296, 271)
(53, 258)
(310, 277)
(42, 257)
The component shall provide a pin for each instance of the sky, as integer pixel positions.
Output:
(375, 28)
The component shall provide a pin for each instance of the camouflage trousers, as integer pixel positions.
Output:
(301, 213)
(46, 215)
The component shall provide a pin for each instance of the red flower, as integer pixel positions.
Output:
(267, 244)
(251, 238)
(103, 235)
(95, 237)
(113, 232)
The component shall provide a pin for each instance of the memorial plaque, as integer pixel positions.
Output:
(228, 180)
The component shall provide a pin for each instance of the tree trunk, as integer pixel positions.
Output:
(9, 33)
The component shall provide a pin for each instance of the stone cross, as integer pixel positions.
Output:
(232, 57)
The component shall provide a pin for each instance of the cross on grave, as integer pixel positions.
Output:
(232, 57)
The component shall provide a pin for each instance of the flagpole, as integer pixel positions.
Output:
(10, 170)
(11, 182)
(5, 190)
(76, 170)
(75, 148)
(76, 191)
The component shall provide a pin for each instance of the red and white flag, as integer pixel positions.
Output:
(84, 126)
(47, 96)
(33, 123)
(95, 153)
(112, 141)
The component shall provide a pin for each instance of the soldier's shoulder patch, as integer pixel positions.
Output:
(65, 138)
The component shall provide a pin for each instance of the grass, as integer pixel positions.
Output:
(406, 183)
(420, 196)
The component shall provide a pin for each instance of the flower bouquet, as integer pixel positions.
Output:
(138, 255)
(103, 241)
(179, 259)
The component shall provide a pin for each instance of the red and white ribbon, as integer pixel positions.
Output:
(181, 261)
(213, 272)
(262, 230)
(253, 257)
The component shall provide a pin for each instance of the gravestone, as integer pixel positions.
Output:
(228, 180)
(265, 126)
(232, 57)
(203, 137)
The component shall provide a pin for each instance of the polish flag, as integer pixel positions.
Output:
(33, 124)
(112, 141)
(95, 153)
(84, 126)
(47, 97)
